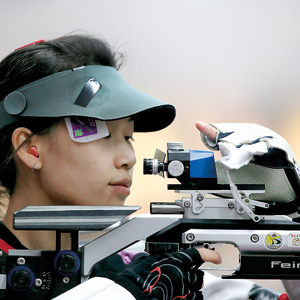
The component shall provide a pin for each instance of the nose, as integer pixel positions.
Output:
(125, 157)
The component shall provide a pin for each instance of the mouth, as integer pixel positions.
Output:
(121, 187)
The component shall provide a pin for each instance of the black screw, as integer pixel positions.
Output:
(66, 263)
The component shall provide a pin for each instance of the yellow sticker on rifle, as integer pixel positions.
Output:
(273, 241)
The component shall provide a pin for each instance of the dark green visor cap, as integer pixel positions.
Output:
(93, 91)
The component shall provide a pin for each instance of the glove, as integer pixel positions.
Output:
(115, 263)
(168, 276)
(278, 169)
(261, 293)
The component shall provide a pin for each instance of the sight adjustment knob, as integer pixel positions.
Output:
(20, 278)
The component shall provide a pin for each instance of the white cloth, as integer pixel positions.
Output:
(235, 158)
(97, 288)
(278, 187)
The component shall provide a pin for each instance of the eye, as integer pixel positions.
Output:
(129, 139)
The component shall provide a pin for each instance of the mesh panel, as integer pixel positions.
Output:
(277, 186)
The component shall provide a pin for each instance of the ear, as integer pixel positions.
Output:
(22, 143)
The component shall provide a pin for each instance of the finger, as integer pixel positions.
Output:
(194, 295)
(207, 130)
(188, 258)
(195, 280)
(209, 255)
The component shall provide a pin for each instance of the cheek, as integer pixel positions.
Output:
(76, 176)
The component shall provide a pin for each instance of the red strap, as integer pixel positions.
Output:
(284, 297)
(5, 247)
(33, 43)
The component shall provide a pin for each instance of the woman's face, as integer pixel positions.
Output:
(94, 173)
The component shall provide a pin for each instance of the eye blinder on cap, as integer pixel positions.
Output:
(88, 92)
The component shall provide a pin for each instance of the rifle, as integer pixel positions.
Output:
(212, 214)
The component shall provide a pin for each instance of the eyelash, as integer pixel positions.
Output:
(127, 138)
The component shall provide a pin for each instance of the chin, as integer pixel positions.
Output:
(114, 201)
(117, 203)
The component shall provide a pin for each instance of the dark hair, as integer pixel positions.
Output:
(33, 62)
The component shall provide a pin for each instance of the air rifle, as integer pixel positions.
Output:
(212, 214)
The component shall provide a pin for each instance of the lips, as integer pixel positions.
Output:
(121, 187)
(126, 182)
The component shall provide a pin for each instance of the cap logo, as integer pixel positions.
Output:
(88, 92)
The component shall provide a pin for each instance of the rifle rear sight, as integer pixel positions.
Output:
(189, 167)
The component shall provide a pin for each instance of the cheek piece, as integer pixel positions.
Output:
(33, 151)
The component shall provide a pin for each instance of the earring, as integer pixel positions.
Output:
(34, 167)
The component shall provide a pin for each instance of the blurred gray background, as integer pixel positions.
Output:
(215, 60)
